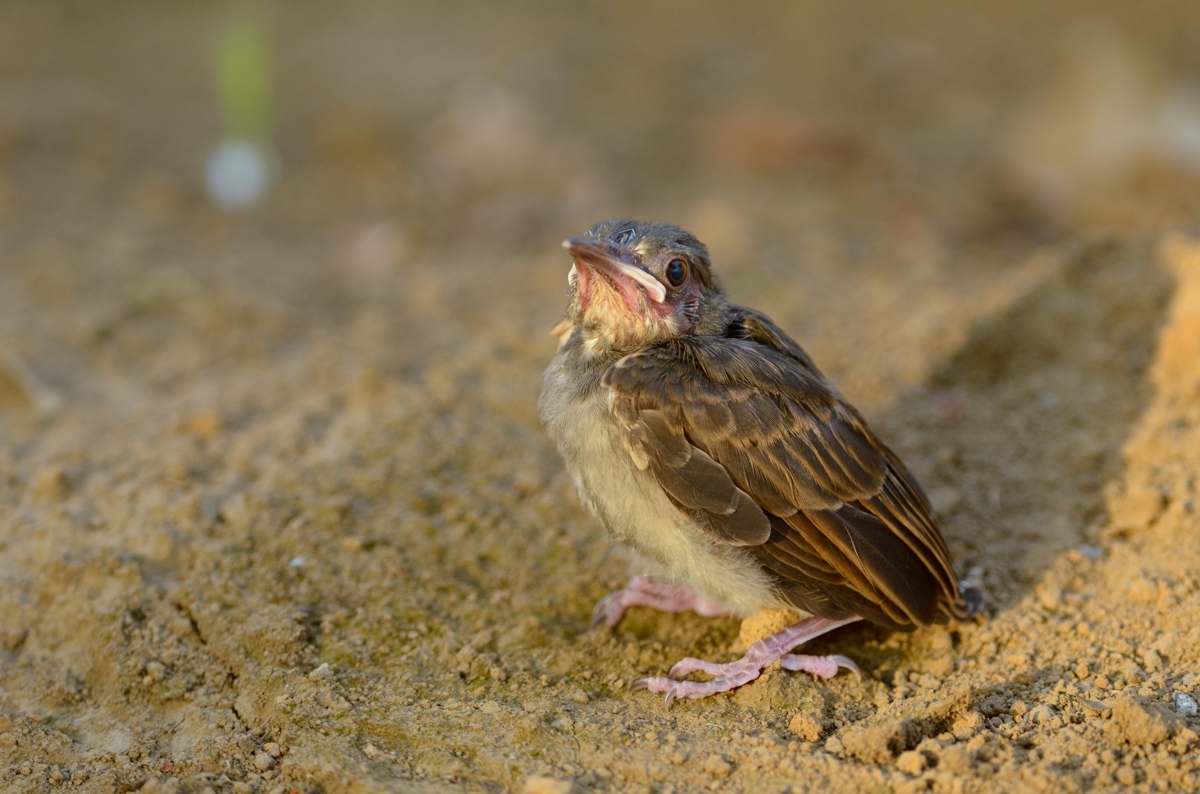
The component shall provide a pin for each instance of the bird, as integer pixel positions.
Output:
(706, 440)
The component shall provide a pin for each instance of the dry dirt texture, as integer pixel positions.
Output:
(276, 513)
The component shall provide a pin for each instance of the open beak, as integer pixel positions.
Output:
(593, 253)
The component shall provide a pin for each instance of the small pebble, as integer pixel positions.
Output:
(805, 727)
(717, 766)
(911, 762)
(264, 762)
(321, 672)
(155, 671)
(1040, 714)
(1186, 705)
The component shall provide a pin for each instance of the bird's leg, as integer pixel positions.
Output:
(758, 657)
(642, 591)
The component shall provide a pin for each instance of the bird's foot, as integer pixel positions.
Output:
(758, 657)
(642, 591)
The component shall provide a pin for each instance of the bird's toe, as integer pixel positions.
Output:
(692, 665)
(655, 685)
(820, 666)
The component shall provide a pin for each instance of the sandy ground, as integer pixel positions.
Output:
(276, 513)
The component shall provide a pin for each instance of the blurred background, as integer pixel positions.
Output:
(276, 287)
(313, 160)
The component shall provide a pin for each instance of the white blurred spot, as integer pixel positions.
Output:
(237, 175)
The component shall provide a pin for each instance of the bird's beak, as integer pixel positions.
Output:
(595, 254)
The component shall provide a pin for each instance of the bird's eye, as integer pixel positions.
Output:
(676, 272)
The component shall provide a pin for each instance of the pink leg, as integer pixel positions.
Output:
(757, 658)
(642, 591)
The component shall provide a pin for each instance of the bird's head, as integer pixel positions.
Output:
(634, 284)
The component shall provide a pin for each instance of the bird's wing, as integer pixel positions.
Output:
(749, 439)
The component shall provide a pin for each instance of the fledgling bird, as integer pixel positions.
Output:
(706, 439)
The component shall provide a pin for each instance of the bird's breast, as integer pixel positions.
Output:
(631, 504)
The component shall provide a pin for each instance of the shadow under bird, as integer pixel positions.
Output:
(705, 438)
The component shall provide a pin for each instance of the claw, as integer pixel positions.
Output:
(849, 664)
(602, 611)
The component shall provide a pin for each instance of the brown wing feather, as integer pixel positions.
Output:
(748, 437)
